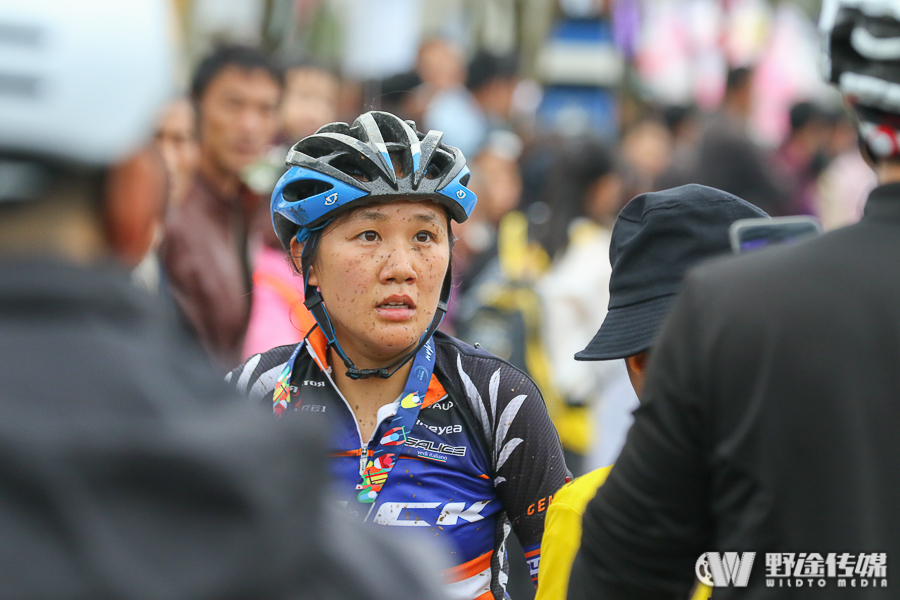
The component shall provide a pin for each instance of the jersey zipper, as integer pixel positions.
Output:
(363, 446)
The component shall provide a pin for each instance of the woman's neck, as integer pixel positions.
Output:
(366, 396)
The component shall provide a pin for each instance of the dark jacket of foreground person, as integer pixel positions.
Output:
(770, 423)
(127, 471)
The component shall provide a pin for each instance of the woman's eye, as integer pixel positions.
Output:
(424, 236)
(369, 236)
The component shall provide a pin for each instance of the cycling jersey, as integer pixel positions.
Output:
(482, 459)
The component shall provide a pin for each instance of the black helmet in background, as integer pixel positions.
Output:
(862, 58)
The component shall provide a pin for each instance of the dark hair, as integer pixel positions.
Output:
(580, 164)
(737, 78)
(486, 67)
(675, 115)
(803, 113)
(245, 58)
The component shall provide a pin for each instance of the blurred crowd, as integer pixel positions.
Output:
(530, 283)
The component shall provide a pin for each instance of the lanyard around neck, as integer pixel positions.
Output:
(385, 455)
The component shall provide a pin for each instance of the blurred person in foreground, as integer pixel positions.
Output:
(128, 470)
(769, 421)
(657, 237)
(426, 430)
(206, 248)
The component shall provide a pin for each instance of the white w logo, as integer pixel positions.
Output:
(713, 571)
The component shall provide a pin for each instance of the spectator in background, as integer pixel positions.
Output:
(846, 182)
(726, 156)
(176, 140)
(646, 148)
(492, 80)
(277, 316)
(443, 100)
(478, 266)
(801, 156)
(236, 91)
(584, 193)
(310, 100)
(683, 123)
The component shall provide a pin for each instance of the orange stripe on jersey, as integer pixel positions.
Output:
(320, 346)
(468, 569)
(486, 596)
(435, 393)
(532, 553)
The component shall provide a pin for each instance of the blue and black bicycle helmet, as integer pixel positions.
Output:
(379, 158)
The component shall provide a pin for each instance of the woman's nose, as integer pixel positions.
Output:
(398, 265)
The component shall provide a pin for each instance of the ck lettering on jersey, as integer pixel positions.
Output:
(426, 514)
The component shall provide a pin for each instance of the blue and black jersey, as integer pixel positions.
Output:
(482, 460)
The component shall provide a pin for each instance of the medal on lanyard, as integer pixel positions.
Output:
(383, 459)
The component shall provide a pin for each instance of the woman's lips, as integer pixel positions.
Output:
(396, 308)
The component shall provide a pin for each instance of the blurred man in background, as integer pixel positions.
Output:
(801, 157)
(205, 252)
(492, 80)
(310, 99)
(278, 316)
(769, 421)
(727, 158)
(176, 139)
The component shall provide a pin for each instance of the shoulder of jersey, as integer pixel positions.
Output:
(258, 376)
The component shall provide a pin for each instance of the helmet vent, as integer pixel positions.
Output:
(441, 162)
(352, 167)
(305, 188)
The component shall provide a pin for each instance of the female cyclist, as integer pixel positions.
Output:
(427, 430)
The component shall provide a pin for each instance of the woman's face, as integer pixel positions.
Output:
(380, 270)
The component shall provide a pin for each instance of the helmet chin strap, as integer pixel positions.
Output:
(314, 303)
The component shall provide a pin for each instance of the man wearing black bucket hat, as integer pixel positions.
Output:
(657, 237)
(763, 458)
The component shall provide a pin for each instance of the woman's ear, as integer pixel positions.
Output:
(296, 254)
